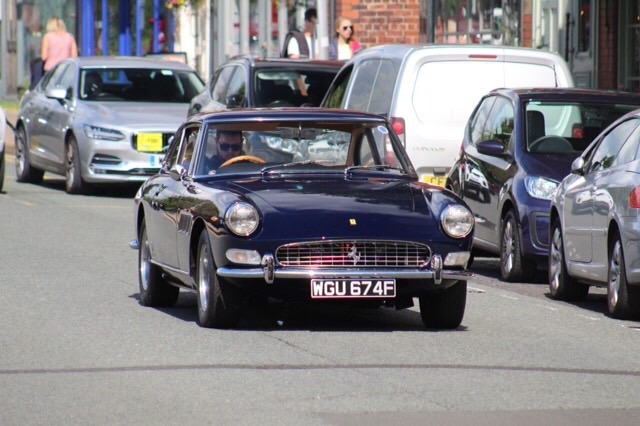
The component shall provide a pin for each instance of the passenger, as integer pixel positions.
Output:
(228, 146)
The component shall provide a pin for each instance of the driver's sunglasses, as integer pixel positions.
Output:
(232, 146)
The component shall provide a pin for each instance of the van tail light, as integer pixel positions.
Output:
(634, 198)
(397, 124)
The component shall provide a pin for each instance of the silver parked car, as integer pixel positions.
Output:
(102, 119)
(595, 221)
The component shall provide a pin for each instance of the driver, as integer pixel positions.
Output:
(228, 146)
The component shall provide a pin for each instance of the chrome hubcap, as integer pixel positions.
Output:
(144, 263)
(555, 259)
(204, 272)
(508, 245)
(614, 274)
(20, 148)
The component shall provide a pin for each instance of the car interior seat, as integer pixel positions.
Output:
(535, 126)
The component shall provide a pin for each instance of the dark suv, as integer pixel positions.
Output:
(250, 82)
(518, 145)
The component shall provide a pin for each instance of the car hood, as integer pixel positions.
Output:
(137, 114)
(554, 167)
(343, 208)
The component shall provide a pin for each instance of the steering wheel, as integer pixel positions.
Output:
(242, 159)
(554, 144)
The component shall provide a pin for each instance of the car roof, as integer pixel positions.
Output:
(563, 93)
(128, 62)
(288, 114)
(263, 62)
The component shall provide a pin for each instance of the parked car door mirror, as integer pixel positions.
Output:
(491, 147)
(59, 93)
(577, 167)
(177, 172)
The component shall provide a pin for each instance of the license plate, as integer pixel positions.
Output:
(361, 288)
(150, 142)
(435, 180)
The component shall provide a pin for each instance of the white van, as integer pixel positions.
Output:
(428, 92)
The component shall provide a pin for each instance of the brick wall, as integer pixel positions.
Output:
(607, 52)
(383, 21)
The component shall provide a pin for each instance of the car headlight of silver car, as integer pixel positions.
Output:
(242, 219)
(279, 144)
(101, 133)
(539, 187)
(457, 221)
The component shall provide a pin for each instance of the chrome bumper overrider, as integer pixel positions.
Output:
(269, 272)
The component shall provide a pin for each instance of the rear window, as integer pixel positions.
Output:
(289, 87)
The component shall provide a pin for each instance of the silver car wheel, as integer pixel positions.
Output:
(145, 267)
(508, 245)
(70, 166)
(20, 149)
(614, 274)
(204, 274)
(555, 259)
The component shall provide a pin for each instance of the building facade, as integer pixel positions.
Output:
(600, 39)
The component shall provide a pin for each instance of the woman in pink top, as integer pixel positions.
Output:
(57, 44)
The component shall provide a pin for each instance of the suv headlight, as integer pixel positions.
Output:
(242, 219)
(100, 133)
(457, 221)
(539, 187)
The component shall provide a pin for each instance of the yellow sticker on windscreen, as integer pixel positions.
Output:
(150, 142)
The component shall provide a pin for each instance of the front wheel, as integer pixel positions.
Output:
(561, 285)
(444, 309)
(513, 266)
(154, 289)
(25, 172)
(623, 300)
(218, 301)
(73, 178)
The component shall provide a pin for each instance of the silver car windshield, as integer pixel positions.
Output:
(138, 85)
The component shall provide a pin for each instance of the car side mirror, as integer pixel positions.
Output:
(59, 93)
(491, 147)
(177, 172)
(577, 166)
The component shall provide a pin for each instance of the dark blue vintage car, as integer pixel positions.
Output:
(346, 219)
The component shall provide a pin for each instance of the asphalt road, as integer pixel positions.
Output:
(76, 347)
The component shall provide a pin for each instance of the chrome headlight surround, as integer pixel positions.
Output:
(102, 133)
(242, 219)
(540, 187)
(457, 221)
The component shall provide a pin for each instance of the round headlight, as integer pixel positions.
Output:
(242, 219)
(457, 221)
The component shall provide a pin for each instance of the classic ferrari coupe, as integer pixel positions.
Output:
(312, 205)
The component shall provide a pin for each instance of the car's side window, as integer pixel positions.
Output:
(336, 97)
(500, 122)
(220, 86)
(383, 88)
(67, 79)
(56, 76)
(237, 90)
(607, 151)
(187, 149)
(479, 120)
(360, 93)
(172, 154)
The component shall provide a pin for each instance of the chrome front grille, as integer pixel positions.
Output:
(354, 254)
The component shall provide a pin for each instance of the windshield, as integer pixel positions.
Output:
(138, 85)
(289, 87)
(568, 127)
(284, 147)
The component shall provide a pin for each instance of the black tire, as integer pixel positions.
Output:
(25, 172)
(561, 285)
(623, 300)
(155, 291)
(218, 301)
(513, 267)
(74, 184)
(1, 169)
(444, 309)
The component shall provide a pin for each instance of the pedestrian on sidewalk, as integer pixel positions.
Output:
(299, 44)
(343, 46)
(57, 44)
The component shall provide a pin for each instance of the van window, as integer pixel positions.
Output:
(373, 86)
(338, 89)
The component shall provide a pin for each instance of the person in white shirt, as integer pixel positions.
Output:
(293, 48)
